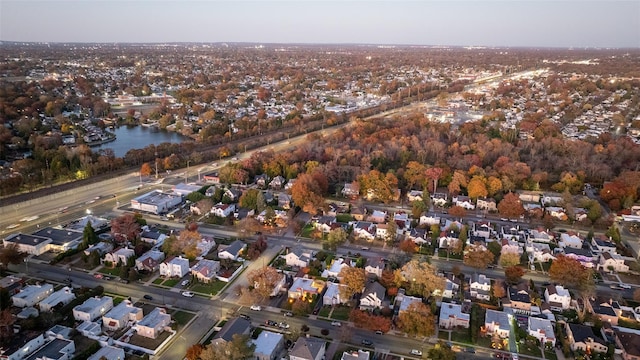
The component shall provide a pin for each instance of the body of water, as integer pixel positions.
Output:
(138, 137)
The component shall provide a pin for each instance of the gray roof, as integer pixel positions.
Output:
(235, 247)
(499, 318)
(583, 332)
(50, 350)
(307, 347)
(26, 239)
(375, 288)
(59, 236)
(232, 327)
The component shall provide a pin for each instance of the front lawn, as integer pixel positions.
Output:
(550, 355)
(182, 317)
(212, 288)
(461, 336)
(341, 313)
(307, 230)
(171, 282)
(324, 311)
(110, 271)
(158, 281)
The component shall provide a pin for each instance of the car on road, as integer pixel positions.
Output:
(271, 323)
(255, 307)
(283, 325)
(336, 323)
(287, 313)
(184, 282)
(124, 281)
(148, 297)
(246, 317)
(625, 286)
(415, 352)
(106, 277)
(187, 293)
(379, 332)
(98, 276)
(13, 226)
(366, 342)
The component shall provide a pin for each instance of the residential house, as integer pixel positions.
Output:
(529, 196)
(607, 311)
(118, 256)
(601, 243)
(480, 287)
(488, 204)
(93, 308)
(519, 298)
(584, 256)
(55, 349)
(372, 296)
(364, 230)
(541, 235)
(482, 229)
(612, 262)
(334, 270)
(233, 251)
(298, 257)
(61, 239)
(439, 199)
(429, 220)
(108, 352)
(205, 244)
(375, 266)
(277, 182)
(11, 284)
(212, 177)
(406, 301)
(539, 252)
(205, 270)
(57, 299)
(551, 199)
(233, 195)
(378, 217)
(402, 221)
(332, 294)
(557, 297)
(289, 184)
(31, 295)
(581, 337)
(304, 287)
(556, 212)
(153, 324)
(451, 316)
(174, 267)
(155, 238)
(223, 210)
(419, 236)
(451, 287)
(268, 345)
(308, 348)
(285, 201)
(511, 246)
(510, 232)
(261, 180)
(150, 261)
(101, 248)
(120, 315)
(351, 190)
(21, 350)
(414, 195)
(629, 343)
(580, 214)
(542, 329)
(464, 202)
(358, 213)
(235, 326)
(325, 223)
(381, 231)
(355, 355)
(497, 323)
(570, 240)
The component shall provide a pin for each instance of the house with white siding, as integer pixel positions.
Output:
(174, 267)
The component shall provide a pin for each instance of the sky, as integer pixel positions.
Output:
(532, 23)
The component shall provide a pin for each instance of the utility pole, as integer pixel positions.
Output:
(156, 156)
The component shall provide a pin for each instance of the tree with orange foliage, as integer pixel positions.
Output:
(457, 211)
(264, 280)
(408, 246)
(365, 320)
(513, 274)
(478, 256)
(353, 279)
(307, 192)
(125, 228)
(511, 206)
(145, 169)
(434, 174)
(477, 187)
(194, 351)
(417, 320)
(498, 289)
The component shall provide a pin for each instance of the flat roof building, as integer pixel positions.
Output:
(62, 296)
(156, 202)
(31, 295)
(61, 239)
(30, 244)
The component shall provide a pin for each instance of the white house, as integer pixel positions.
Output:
(23, 352)
(120, 315)
(414, 195)
(60, 297)
(602, 244)
(335, 268)
(233, 251)
(542, 329)
(540, 252)
(31, 295)
(223, 210)
(332, 294)
(581, 337)
(268, 345)
(439, 199)
(498, 323)
(155, 238)
(364, 230)
(608, 261)
(205, 270)
(488, 204)
(557, 297)
(480, 287)
(451, 316)
(375, 266)
(540, 235)
(153, 324)
(109, 353)
(93, 308)
(372, 296)
(29, 244)
(355, 355)
(298, 257)
(451, 287)
(429, 220)
(174, 267)
(378, 216)
(303, 288)
(570, 240)
(55, 349)
(464, 202)
(118, 256)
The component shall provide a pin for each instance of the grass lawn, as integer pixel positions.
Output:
(117, 300)
(443, 335)
(212, 288)
(182, 317)
(443, 254)
(529, 350)
(461, 336)
(551, 355)
(341, 313)
(324, 311)
(170, 282)
(158, 281)
(110, 271)
(306, 231)
(344, 218)
(484, 341)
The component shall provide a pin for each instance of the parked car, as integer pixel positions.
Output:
(246, 317)
(366, 342)
(124, 281)
(148, 297)
(256, 307)
(187, 293)
(184, 282)
(379, 332)
(287, 313)
(283, 325)
(271, 323)
(336, 323)
(416, 352)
